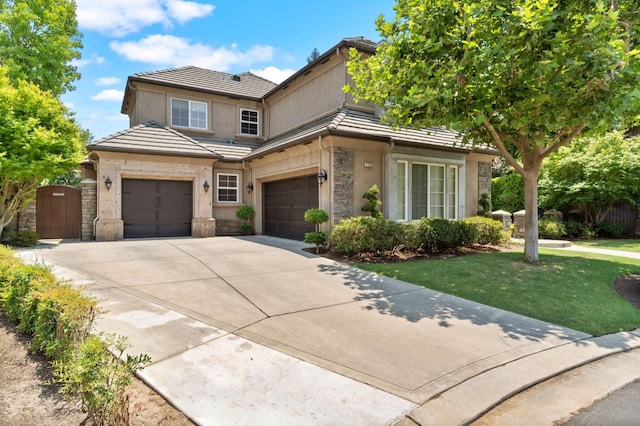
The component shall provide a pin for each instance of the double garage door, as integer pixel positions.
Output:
(156, 208)
(285, 202)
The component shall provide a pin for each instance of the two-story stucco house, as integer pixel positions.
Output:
(202, 143)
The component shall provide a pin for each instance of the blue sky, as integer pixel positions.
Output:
(270, 38)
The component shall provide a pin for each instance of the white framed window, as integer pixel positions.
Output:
(190, 114)
(228, 188)
(249, 122)
(426, 190)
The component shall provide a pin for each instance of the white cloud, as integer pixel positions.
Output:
(183, 11)
(94, 59)
(70, 105)
(109, 95)
(274, 74)
(117, 18)
(174, 51)
(107, 81)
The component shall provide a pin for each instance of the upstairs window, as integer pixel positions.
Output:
(249, 122)
(189, 114)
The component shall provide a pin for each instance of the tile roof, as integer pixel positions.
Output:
(245, 84)
(230, 149)
(356, 124)
(153, 138)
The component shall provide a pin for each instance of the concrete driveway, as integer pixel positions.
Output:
(254, 330)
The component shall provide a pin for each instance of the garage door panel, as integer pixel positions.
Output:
(285, 203)
(156, 208)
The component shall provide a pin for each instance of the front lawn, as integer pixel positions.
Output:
(571, 289)
(632, 245)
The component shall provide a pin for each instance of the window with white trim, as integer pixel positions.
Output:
(228, 188)
(249, 122)
(191, 114)
(426, 190)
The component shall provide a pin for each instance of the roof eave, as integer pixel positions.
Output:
(212, 156)
(187, 87)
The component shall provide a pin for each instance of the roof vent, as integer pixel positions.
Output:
(231, 142)
(235, 77)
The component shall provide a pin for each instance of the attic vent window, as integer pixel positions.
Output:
(235, 77)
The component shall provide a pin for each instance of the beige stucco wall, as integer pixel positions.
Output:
(118, 166)
(223, 113)
(309, 97)
(225, 213)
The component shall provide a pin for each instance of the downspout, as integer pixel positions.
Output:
(95, 220)
(330, 173)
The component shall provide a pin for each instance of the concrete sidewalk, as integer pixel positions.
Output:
(255, 330)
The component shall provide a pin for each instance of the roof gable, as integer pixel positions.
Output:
(153, 138)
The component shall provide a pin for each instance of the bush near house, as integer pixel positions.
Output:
(60, 319)
(368, 234)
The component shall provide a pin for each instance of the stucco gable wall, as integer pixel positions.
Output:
(308, 98)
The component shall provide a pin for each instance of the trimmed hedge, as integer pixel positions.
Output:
(363, 234)
(60, 319)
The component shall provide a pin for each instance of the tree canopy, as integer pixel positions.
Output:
(529, 74)
(592, 174)
(38, 41)
(38, 140)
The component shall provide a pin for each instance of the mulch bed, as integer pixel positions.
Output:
(628, 286)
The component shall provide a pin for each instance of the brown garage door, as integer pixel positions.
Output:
(156, 208)
(285, 202)
(58, 212)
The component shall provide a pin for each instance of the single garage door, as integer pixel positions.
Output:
(156, 208)
(285, 202)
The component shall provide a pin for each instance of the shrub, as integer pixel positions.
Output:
(439, 235)
(507, 192)
(363, 234)
(489, 231)
(609, 230)
(574, 229)
(552, 229)
(246, 213)
(372, 205)
(318, 237)
(100, 379)
(23, 238)
(485, 205)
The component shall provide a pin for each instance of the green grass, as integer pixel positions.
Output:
(622, 245)
(571, 289)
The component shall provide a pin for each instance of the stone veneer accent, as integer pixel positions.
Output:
(27, 217)
(484, 179)
(343, 170)
(89, 208)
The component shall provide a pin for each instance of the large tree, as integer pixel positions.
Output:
(38, 140)
(525, 74)
(38, 41)
(592, 174)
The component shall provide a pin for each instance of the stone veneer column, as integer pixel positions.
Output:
(343, 166)
(27, 217)
(484, 179)
(89, 207)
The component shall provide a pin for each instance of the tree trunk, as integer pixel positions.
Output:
(530, 178)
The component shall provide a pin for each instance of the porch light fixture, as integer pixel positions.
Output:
(250, 186)
(107, 183)
(206, 186)
(322, 176)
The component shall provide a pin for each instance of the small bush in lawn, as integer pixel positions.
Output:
(552, 229)
(489, 231)
(440, 235)
(609, 230)
(24, 238)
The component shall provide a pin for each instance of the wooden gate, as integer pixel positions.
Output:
(58, 212)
